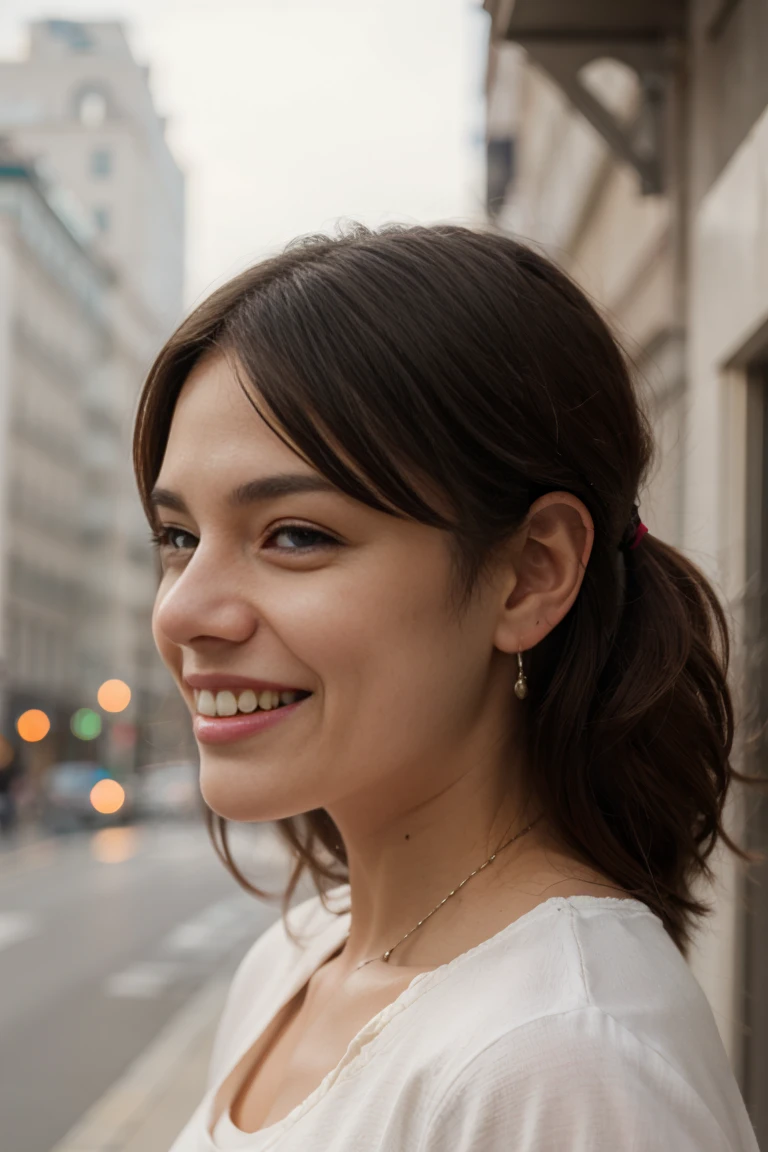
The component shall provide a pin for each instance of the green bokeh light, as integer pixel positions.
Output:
(86, 724)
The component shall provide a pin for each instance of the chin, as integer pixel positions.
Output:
(234, 793)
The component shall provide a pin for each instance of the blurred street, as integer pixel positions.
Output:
(104, 937)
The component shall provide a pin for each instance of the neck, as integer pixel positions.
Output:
(405, 862)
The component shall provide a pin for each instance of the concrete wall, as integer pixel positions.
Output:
(729, 81)
(728, 305)
(683, 278)
(571, 197)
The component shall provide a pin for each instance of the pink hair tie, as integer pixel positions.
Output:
(634, 532)
(639, 533)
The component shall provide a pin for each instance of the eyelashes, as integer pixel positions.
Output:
(161, 539)
(312, 539)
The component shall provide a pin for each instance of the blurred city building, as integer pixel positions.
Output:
(53, 329)
(92, 227)
(631, 141)
(81, 104)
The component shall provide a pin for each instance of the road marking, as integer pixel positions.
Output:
(212, 932)
(146, 1084)
(16, 926)
(215, 929)
(190, 937)
(145, 981)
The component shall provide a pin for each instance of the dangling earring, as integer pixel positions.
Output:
(521, 684)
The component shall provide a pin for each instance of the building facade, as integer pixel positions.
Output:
(81, 105)
(641, 147)
(53, 329)
(79, 113)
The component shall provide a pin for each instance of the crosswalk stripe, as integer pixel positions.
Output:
(144, 981)
(202, 939)
(215, 929)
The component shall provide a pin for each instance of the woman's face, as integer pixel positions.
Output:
(309, 591)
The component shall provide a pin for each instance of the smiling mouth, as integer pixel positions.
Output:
(244, 702)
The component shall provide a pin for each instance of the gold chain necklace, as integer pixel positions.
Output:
(386, 955)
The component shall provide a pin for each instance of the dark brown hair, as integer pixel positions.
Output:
(469, 359)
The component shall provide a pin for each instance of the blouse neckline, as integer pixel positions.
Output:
(317, 954)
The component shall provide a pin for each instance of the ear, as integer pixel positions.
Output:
(543, 570)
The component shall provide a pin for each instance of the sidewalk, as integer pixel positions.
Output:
(146, 1109)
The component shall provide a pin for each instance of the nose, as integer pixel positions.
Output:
(207, 601)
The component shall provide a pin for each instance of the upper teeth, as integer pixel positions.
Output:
(226, 703)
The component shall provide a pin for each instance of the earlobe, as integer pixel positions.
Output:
(548, 562)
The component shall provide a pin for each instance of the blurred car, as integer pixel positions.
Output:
(168, 791)
(66, 802)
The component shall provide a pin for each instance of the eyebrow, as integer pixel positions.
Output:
(252, 492)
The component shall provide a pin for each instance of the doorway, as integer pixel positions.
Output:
(754, 1069)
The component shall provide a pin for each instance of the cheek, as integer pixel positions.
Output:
(398, 685)
(389, 661)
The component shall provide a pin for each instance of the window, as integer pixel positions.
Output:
(500, 171)
(72, 33)
(101, 162)
(101, 218)
(91, 108)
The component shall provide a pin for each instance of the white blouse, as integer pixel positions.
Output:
(577, 1028)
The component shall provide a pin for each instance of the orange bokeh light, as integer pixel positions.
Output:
(107, 796)
(33, 725)
(114, 696)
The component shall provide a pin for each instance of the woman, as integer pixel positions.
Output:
(408, 600)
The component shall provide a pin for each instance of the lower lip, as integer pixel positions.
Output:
(227, 729)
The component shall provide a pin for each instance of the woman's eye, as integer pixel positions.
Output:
(289, 538)
(294, 538)
(172, 539)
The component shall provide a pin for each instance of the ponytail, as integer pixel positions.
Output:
(632, 755)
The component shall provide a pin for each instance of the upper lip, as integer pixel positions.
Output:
(220, 681)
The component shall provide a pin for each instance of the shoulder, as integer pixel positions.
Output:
(269, 968)
(587, 1021)
(578, 1079)
(567, 953)
(577, 952)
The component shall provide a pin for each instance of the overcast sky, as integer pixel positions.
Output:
(290, 114)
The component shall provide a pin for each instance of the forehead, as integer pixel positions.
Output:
(217, 439)
(215, 428)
